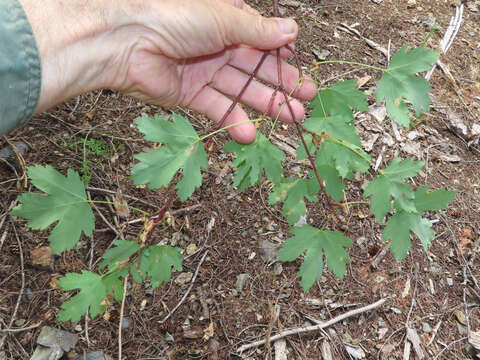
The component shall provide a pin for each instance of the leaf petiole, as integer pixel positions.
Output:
(317, 64)
(111, 203)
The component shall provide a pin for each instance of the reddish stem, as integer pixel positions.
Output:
(160, 214)
(239, 96)
(297, 124)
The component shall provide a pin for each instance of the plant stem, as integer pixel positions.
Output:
(112, 203)
(355, 203)
(161, 213)
(348, 63)
(225, 128)
(240, 94)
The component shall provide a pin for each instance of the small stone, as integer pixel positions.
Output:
(191, 249)
(186, 324)
(96, 355)
(321, 54)
(183, 278)
(460, 317)
(426, 328)
(126, 322)
(449, 281)
(277, 269)
(169, 338)
(176, 237)
(291, 3)
(78, 328)
(396, 310)
(382, 332)
(51, 337)
(361, 241)
(241, 281)
(20, 322)
(269, 250)
(411, 4)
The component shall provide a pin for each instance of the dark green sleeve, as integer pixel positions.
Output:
(20, 69)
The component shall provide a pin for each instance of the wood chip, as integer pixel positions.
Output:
(280, 347)
(326, 351)
(406, 288)
(474, 340)
(41, 256)
(413, 337)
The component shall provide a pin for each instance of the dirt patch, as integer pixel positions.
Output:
(429, 291)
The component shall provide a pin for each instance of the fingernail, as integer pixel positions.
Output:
(287, 26)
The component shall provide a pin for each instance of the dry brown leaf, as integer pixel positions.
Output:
(53, 283)
(363, 80)
(121, 206)
(464, 244)
(41, 256)
(209, 331)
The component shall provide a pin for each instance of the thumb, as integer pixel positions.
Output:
(246, 28)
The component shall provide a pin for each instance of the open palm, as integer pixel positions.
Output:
(203, 69)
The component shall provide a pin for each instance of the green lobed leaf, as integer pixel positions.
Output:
(400, 169)
(182, 149)
(398, 229)
(157, 262)
(338, 125)
(93, 288)
(301, 154)
(316, 243)
(346, 158)
(121, 251)
(432, 200)
(390, 184)
(66, 204)
(398, 83)
(252, 159)
(340, 98)
(292, 192)
(332, 182)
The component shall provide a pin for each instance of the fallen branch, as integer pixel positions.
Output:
(311, 328)
(20, 329)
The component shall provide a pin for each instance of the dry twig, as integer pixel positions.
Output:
(311, 328)
(188, 290)
(122, 309)
(20, 294)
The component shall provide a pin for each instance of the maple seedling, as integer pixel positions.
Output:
(328, 144)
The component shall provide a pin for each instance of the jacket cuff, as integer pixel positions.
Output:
(20, 67)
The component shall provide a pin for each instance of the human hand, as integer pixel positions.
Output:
(193, 53)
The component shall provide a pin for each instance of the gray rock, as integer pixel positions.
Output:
(9, 155)
(321, 54)
(126, 322)
(426, 328)
(269, 250)
(241, 281)
(44, 353)
(96, 355)
(169, 338)
(51, 337)
(277, 269)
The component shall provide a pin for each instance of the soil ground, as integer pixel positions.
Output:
(435, 292)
